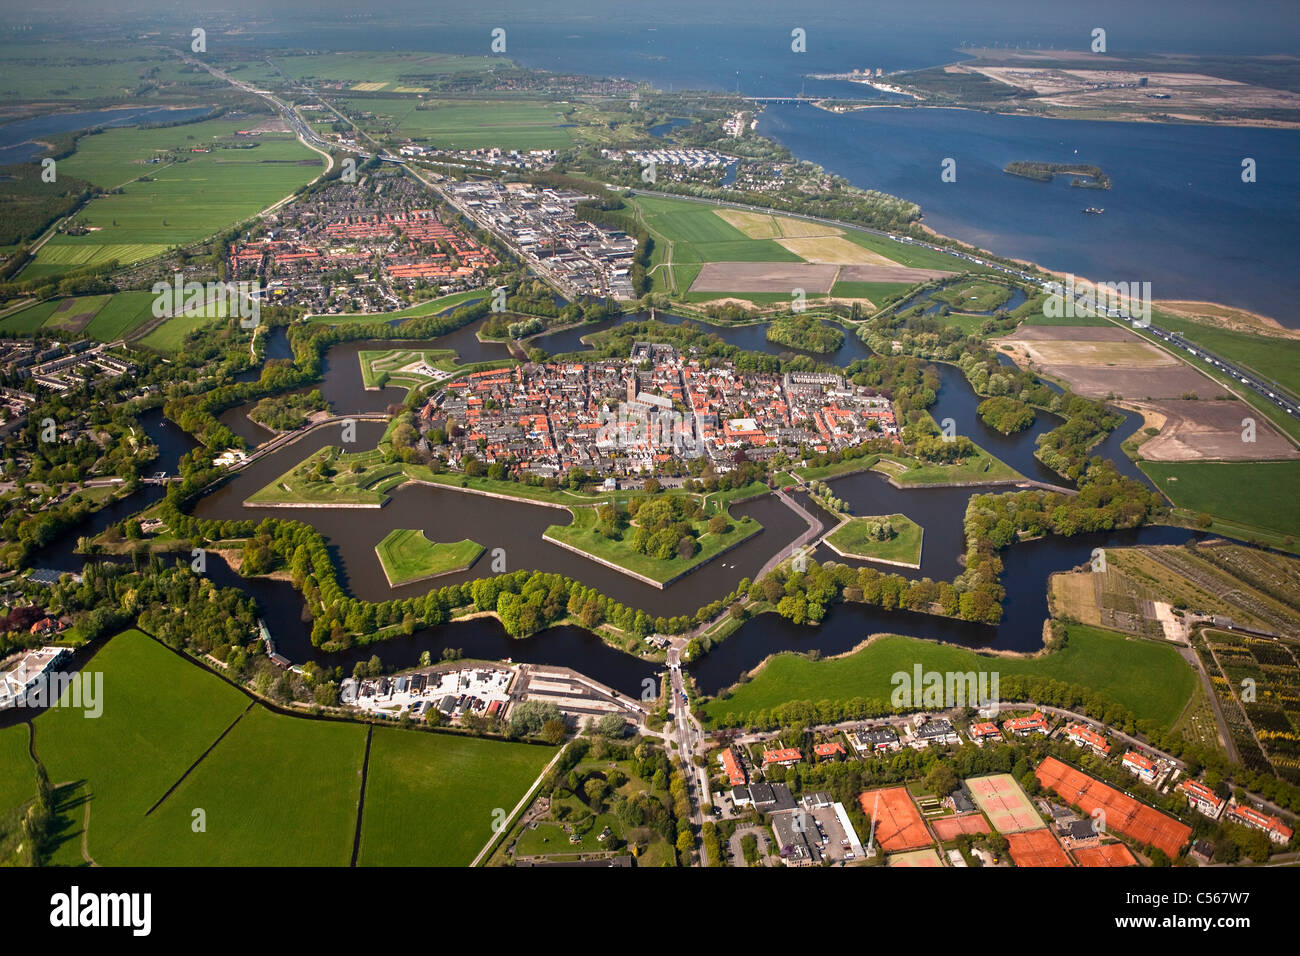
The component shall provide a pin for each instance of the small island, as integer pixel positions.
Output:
(1085, 176)
(284, 413)
(1005, 414)
(806, 333)
(408, 556)
(656, 540)
(890, 539)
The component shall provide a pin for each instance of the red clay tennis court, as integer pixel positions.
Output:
(1005, 803)
(1112, 854)
(900, 826)
(1124, 814)
(1036, 848)
(949, 828)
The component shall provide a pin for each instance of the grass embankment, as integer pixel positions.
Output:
(1146, 677)
(408, 556)
(980, 467)
(903, 547)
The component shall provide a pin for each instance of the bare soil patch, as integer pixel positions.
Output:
(764, 277)
(859, 272)
(1194, 431)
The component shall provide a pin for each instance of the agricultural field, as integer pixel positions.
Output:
(432, 799)
(1266, 729)
(902, 548)
(170, 334)
(408, 556)
(104, 318)
(1256, 589)
(276, 791)
(1256, 494)
(742, 251)
(380, 71)
(163, 713)
(1273, 353)
(105, 73)
(876, 292)
(1146, 677)
(17, 790)
(196, 183)
(452, 124)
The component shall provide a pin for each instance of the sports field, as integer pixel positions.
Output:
(1036, 848)
(922, 858)
(1122, 813)
(407, 555)
(948, 829)
(899, 826)
(1004, 803)
(431, 799)
(1110, 854)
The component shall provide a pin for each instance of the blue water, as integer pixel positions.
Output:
(1177, 215)
(17, 139)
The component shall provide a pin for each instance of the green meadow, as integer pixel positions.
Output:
(452, 124)
(159, 714)
(407, 555)
(1146, 677)
(275, 790)
(431, 799)
(1261, 494)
